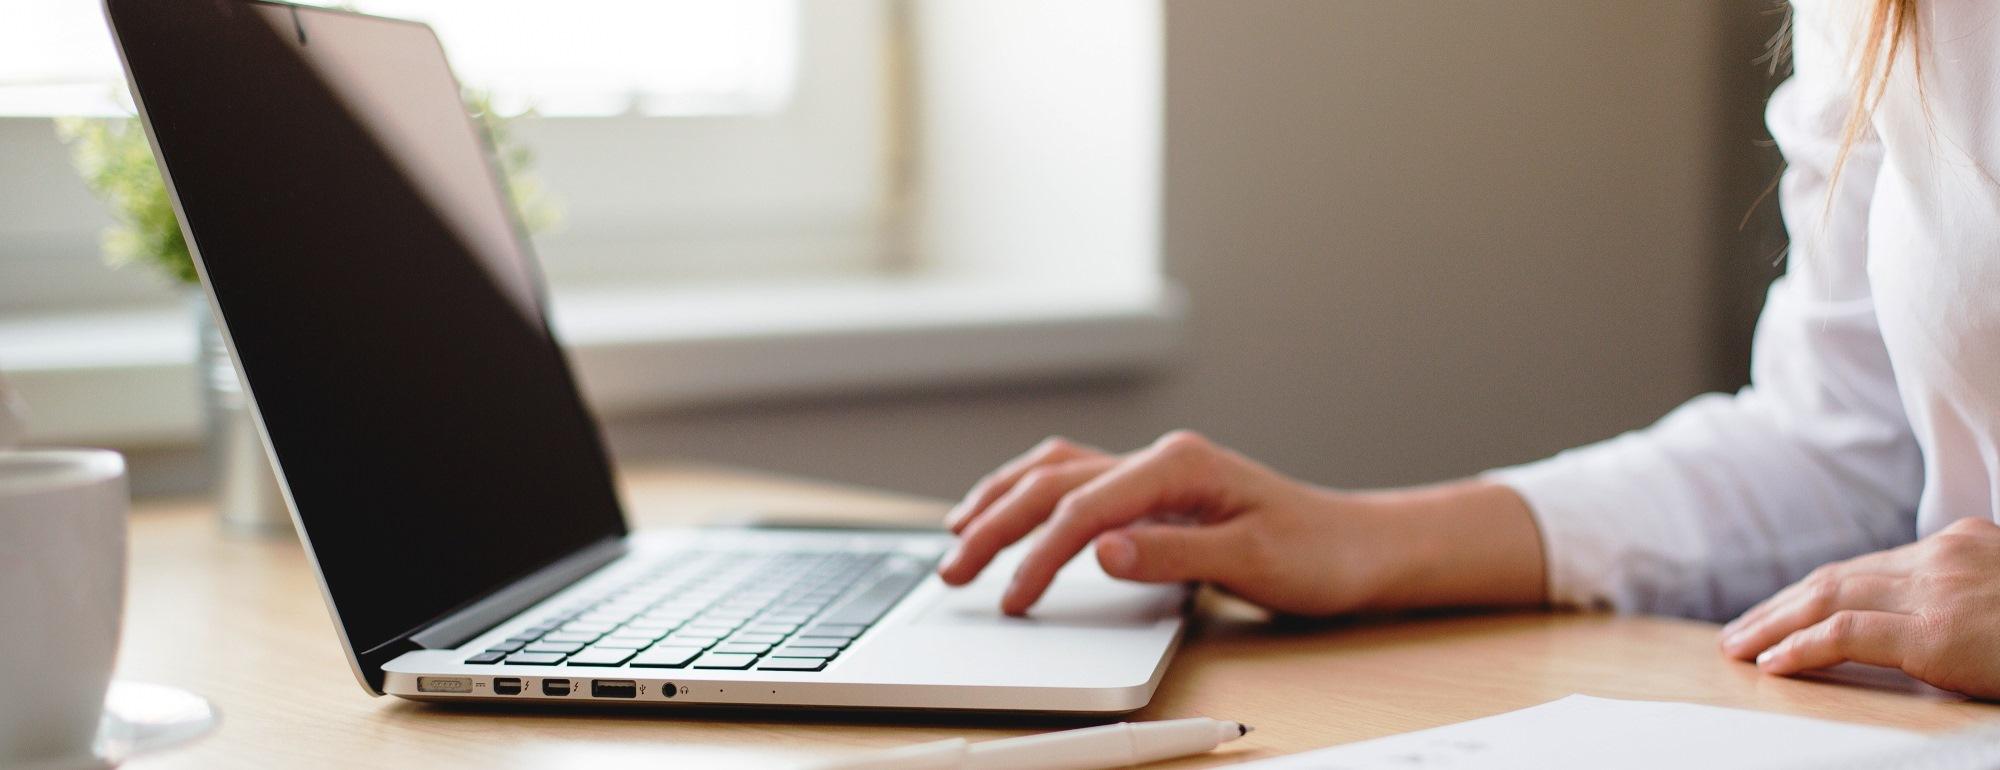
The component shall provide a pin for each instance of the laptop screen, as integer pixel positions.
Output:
(381, 301)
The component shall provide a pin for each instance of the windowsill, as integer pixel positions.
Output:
(126, 378)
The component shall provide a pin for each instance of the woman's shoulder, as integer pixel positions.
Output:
(1954, 47)
(1949, 24)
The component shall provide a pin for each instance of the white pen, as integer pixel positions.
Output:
(1091, 748)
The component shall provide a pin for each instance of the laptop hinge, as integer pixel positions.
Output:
(486, 613)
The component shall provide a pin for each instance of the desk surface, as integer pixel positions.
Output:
(241, 622)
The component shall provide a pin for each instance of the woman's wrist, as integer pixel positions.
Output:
(1466, 543)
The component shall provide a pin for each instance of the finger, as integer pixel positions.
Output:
(1820, 599)
(1168, 553)
(1898, 561)
(1894, 562)
(1178, 473)
(1861, 636)
(1052, 450)
(1010, 518)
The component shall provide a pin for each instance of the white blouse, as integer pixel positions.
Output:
(1873, 417)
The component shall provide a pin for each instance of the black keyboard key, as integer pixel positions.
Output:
(647, 623)
(487, 657)
(720, 627)
(666, 657)
(868, 606)
(792, 664)
(590, 628)
(792, 651)
(725, 661)
(535, 658)
(690, 640)
(506, 646)
(601, 656)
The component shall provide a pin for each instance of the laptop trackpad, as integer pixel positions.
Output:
(1082, 597)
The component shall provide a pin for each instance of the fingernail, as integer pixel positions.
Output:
(1011, 598)
(1730, 641)
(1729, 629)
(1117, 552)
(949, 561)
(1764, 658)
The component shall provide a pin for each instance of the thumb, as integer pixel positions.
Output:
(1166, 553)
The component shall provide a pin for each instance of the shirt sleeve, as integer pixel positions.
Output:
(1730, 497)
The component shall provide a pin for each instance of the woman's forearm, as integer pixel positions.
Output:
(1465, 543)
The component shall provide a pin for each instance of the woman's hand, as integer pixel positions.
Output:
(1930, 608)
(1184, 509)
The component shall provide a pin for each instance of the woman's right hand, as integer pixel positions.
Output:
(1185, 509)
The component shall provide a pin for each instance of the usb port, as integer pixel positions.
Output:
(506, 685)
(555, 687)
(613, 688)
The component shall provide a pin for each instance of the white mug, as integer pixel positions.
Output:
(62, 595)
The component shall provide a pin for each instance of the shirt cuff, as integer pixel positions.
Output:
(1579, 536)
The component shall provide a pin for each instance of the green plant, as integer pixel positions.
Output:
(117, 164)
(538, 209)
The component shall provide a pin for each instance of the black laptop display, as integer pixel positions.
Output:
(385, 314)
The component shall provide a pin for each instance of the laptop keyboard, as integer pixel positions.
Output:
(782, 611)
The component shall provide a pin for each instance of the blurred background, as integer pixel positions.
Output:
(894, 242)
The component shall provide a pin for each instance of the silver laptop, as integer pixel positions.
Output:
(440, 464)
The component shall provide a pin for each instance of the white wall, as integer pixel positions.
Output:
(1419, 239)
(1040, 138)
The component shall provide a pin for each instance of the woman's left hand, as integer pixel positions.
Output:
(1930, 608)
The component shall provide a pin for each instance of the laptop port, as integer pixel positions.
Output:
(506, 685)
(555, 687)
(457, 684)
(613, 688)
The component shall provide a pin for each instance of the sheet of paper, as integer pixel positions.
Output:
(1583, 732)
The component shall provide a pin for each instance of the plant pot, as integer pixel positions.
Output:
(247, 498)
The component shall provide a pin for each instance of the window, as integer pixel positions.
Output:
(683, 139)
(763, 198)
(617, 57)
(582, 57)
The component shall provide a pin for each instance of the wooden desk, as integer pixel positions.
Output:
(241, 622)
